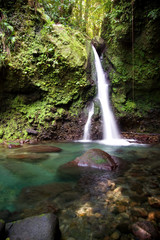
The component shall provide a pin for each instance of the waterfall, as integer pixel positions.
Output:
(88, 123)
(110, 129)
(111, 135)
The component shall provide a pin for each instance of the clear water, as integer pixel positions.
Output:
(16, 175)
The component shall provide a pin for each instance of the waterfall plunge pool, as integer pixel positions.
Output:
(85, 201)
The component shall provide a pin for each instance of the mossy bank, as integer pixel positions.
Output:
(131, 32)
(43, 76)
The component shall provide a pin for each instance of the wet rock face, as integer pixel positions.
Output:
(135, 113)
(67, 128)
(72, 128)
(99, 44)
(149, 123)
(142, 138)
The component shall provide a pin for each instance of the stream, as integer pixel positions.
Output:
(90, 204)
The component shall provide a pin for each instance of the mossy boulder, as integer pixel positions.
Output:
(44, 76)
(93, 158)
(40, 227)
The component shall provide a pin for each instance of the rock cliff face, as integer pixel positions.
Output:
(43, 84)
(131, 33)
(45, 81)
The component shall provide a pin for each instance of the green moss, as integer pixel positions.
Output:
(1, 133)
(134, 77)
(99, 161)
(45, 76)
(2, 221)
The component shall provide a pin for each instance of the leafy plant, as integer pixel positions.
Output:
(7, 37)
(154, 14)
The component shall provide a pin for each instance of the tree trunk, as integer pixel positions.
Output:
(86, 15)
(80, 13)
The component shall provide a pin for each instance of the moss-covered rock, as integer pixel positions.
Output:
(131, 31)
(43, 77)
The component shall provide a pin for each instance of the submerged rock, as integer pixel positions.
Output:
(154, 201)
(42, 227)
(145, 230)
(11, 145)
(33, 195)
(42, 149)
(30, 158)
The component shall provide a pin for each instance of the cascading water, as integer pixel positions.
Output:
(111, 135)
(110, 129)
(87, 127)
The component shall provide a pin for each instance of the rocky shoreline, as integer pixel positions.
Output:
(146, 138)
(143, 138)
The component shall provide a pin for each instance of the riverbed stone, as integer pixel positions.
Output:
(145, 230)
(13, 145)
(34, 195)
(42, 227)
(42, 149)
(154, 201)
(139, 212)
(115, 235)
(28, 157)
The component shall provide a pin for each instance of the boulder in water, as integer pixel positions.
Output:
(93, 158)
(42, 227)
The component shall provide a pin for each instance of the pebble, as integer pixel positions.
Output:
(107, 238)
(116, 235)
(139, 212)
(154, 201)
(151, 216)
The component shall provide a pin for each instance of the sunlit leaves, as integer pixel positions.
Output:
(58, 10)
(89, 15)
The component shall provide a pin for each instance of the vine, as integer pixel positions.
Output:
(133, 59)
